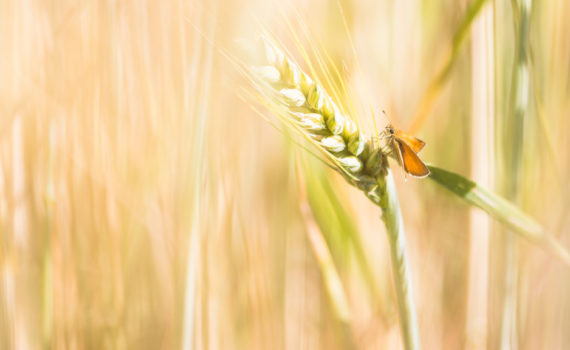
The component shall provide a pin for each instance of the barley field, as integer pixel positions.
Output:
(218, 174)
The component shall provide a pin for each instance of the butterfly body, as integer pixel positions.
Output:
(405, 148)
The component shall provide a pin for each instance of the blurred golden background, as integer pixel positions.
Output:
(144, 205)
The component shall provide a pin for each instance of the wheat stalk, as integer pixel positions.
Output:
(514, 127)
(303, 105)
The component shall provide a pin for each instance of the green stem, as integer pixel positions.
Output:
(392, 218)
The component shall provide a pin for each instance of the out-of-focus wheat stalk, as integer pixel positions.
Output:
(331, 278)
(482, 160)
(303, 105)
(338, 224)
(436, 85)
(513, 133)
(195, 260)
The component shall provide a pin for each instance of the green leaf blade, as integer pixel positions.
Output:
(500, 209)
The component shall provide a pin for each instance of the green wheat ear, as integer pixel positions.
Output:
(303, 105)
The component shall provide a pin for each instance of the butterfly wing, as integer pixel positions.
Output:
(412, 164)
(415, 143)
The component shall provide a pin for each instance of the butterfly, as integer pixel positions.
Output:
(406, 147)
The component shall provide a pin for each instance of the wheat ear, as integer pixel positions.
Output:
(302, 104)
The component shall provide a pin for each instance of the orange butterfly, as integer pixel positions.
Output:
(407, 147)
